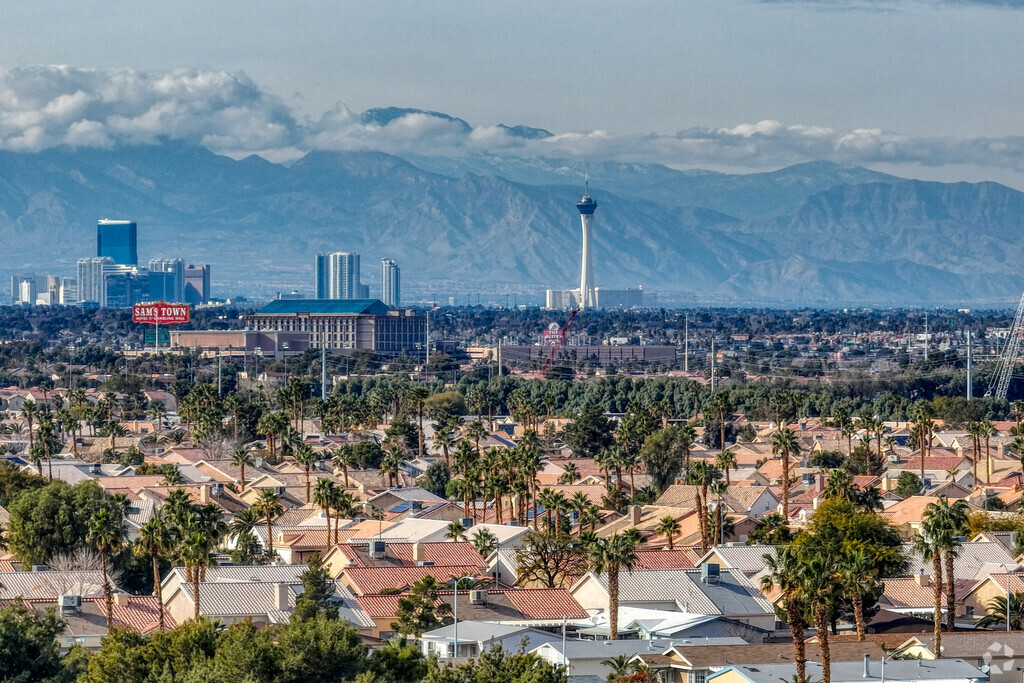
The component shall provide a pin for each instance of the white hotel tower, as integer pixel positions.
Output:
(588, 298)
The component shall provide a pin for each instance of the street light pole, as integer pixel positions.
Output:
(1007, 570)
(455, 649)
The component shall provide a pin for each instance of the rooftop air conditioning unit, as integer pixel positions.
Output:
(378, 549)
(415, 504)
(95, 468)
(893, 457)
(709, 573)
(40, 568)
(466, 522)
(425, 563)
(478, 597)
(217, 488)
(808, 479)
(70, 604)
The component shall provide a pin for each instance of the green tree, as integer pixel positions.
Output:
(121, 658)
(772, 529)
(28, 643)
(666, 453)
(244, 653)
(418, 610)
(783, 567)
(320, 650)
(784, 445)
(945, 523)
(268, 506)
(52, 519)
(317, 592)
(435, 479)
(154, 542)
(589, 434)
(908, 484)
(668, 527)
(496, 664)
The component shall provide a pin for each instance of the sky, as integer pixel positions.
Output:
(923, 88)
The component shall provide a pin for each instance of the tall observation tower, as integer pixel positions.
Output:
(586, 205)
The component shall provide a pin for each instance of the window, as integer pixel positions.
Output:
(970, 611)
(697, 676)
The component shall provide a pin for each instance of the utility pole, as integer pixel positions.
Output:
(426, 353)
(219, 355)
(970, 363)
(686, 344)
(926, 337)
(712, 365)
(323, 372)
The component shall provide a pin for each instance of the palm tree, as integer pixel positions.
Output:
(784, 444)
(989, 431)
(307, 457)
(30, 410)
(455, 531)
(667, 527)
(106, 533)
(323, 495)
(784, 567)
(154, 540)
(1017, 408)
(484, 542)
(931, 550)
(344, 505)
(857, 574)
(241, 458)
(244, 521)
(476, 431)
(620, 666)
(418, 395)
(344, 458)
(946, 523)
(444, 439)
(570, 474)
(1018, 447)
(996, 616)
(195, 554)
(704, 476)
(818, 578)
(610, 555)
(268, 506)
(726, 460)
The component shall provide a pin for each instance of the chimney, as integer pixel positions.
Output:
(204, 493)
(921, 579)
(281, 596)
(867, 666)
(635, 514)
(121, 599)
(417, 552)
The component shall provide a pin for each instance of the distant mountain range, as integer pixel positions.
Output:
(815, 233)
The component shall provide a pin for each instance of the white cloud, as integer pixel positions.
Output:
(48, 106)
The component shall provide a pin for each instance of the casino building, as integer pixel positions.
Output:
(340, 324)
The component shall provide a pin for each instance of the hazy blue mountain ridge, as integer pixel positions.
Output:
(814, 233)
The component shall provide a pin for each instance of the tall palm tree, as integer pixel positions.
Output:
(194, 552)
(1017, 446)
(241, 458)
(418, 395)
(946, 523)
(154, 541)
(307, 457)
(667, 527)
(570, 474)
(268, 505)
(323, 495)
(784, 444)
(455, 531)
(30, 410)
(784, 571)
(106, 533)
(930, 549)
(344, 505)
(857, 574)
(726, 460)
(476, 431)
(444, 439)
(609, 556)
(818, 578)
(989, 431)
(344, 458)
(703, 476)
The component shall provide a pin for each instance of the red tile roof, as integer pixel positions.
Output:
(546, 603)
(376, 579)
(678, 558)
(442, 554)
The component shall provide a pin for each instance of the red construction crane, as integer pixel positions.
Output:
(557, 346)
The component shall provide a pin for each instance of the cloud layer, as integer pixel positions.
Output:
(45, 107)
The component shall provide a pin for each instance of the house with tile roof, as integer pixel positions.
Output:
(86, 623)
(946, 671)
(364, 580)
(999, 654)
(262, 602)
(50, 584)
(731, 594)
(438, 554)
(476, 637)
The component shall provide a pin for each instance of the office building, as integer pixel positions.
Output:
(197, 284)
(118, 240)
(90, 279)
(124, 286)
(352, 324)
(390, 283)
(68, 291)
(167, 280)
(337, 276)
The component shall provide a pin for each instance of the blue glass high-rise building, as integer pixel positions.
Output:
(118, 240)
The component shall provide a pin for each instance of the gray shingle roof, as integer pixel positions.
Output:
(971, 560)
(732, 594)
(844, 672)
(50, 584)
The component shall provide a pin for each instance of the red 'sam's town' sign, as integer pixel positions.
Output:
(161, 313)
